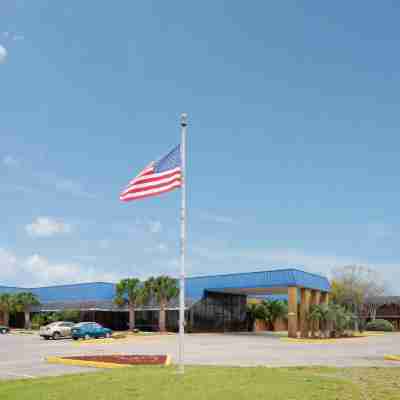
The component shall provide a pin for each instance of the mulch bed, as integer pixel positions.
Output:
(133, 359)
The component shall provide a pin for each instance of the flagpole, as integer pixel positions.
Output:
(181, 368)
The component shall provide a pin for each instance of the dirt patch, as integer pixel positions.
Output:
(132, 359)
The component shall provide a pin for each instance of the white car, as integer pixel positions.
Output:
(56, 330)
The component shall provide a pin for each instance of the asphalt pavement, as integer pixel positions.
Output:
(23, 356)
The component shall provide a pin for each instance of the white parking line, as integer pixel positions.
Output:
(18, 375)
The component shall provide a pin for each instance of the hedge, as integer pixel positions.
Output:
(379, 325)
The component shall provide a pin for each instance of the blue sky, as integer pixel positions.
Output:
(292, 149)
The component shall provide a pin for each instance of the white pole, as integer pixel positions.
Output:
(181, 369)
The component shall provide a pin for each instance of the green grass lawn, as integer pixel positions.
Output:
(216, 383)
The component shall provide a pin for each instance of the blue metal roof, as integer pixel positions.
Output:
(281, 278)
(9, 289)
(75, 292)
(195, 286)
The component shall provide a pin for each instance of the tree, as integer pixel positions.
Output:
(342, 320)
(314, 316)
(323, 314)
(24, 301)
(256, 311)
(353, 284)
(163, 289)
(7, 302)
(333, 318)
(275, 309)
(132, 292)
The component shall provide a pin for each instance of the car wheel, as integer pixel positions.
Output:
(87, 337)
(56, 335)
(46, 337)
(75, 338)
(108, 335)
(4, 331)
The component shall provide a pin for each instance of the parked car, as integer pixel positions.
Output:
(87, 330)
(4, 329)
(56, 330)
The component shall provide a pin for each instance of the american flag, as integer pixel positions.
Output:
(158, 177)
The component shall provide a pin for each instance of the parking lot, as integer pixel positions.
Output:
(23, 356)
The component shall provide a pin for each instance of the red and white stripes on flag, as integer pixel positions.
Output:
(157, 178)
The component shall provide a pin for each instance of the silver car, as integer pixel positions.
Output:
(56, 330)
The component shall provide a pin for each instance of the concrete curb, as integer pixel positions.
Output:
(391, 357)
(81, 363)
(96, 364)
(23, 332)
(130, 338)
(323, 341)
(99, 341)
(168, 360)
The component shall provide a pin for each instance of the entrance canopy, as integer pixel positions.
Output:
(256, 283)
(300, 287)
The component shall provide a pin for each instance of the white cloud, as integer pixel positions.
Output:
(10, 161)
(8, 263)
(378, 231)
(104, 244)
(37, 270)
(162, 247)
(70, 186)
(219, 219)
(13, 36)
(156, 249)
(15, 188)
(44, 272)
(231, 260)
(3, 54)
(155, 226)
(38, 181)
(47, 227)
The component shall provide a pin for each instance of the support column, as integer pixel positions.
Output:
(191, 311)
(292, 312)
(325, 298)
(315, 300)
(304, 309)
(325, 301)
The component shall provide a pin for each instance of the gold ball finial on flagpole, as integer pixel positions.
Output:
(183, 119)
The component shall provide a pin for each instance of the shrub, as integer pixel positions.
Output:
(379, 325)
(71, 315)
(119, 336)
(38, 320)
(65, 315)
(362, 324)
(44, 318)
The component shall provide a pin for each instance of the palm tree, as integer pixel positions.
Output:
(24, 301)
(327, 315)
(257, 311)
(275, 309)
(342, 319)
(164, 289)
(132, 292)
(6, 306)
(315, 315)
